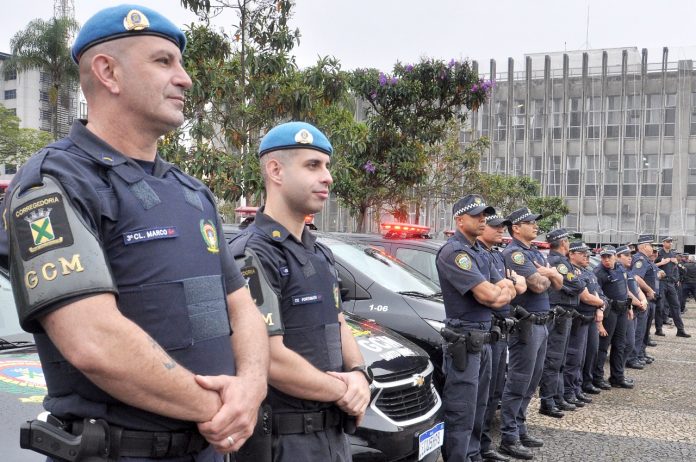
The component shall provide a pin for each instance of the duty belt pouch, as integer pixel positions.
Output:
(259, 446)
(475, 341)
(524, 330)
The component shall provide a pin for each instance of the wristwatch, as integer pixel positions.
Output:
(365, 371)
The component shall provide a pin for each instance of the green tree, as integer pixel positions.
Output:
(17, 144)
(44, 45)
(407, 114)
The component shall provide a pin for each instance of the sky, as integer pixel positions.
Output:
(378, 33)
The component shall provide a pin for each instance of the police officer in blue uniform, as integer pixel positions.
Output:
(640, 306)
(645, 274)
(136, 348)
(667, 261)
(489, 240)
(471, 287)
(527, 345)
(613, 280)
(564, 303)
(317, 372)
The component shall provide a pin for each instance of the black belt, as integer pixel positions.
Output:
(131, 443)
(483, 336)
(308, 422)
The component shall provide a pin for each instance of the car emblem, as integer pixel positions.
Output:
(418, 380)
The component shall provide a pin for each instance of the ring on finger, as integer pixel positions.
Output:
(230, 440)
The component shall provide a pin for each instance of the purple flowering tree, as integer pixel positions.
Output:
(406, 112)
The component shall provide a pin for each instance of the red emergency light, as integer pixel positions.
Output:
(537, 244)
(404, 230)
(4, 184)
(246, 211)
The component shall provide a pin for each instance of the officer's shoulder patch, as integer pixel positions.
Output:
(562, 268)
(42, 225)
(463, 261)
(639, 264)
(518, 257)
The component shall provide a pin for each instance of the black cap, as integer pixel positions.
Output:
(578, 246)
(497, 220)
(646, 239)
(623, 249)
(667, 238)
(608, 250)
(472, 204)
(523, 214)
(557, 235)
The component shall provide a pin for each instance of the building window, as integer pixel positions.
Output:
(537, 116)
(632, 116)
(575, 120)
(594, 117)
(693, 114)
(500, 121)
(43, 96)
(10, 94)
(518, 116)
(613, 116)
(45, 115)
(670, 113)
(557, 116)
(11, 75)
(653, 113)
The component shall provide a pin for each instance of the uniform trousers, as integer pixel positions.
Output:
(630, 339)
(652, 309)
(671, 305)
(206, 455)
(525, 364)
(465, 396)
(641, 318)
(615, 325)
(551, 384)
(495, 391)
(687, 288)
(590, 354)
(330, 445)
(575, 358)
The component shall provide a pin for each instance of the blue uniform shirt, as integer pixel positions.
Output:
(461, 266)
(590, 280)
(569, 293)
(643, 267)
(520, 258)
(614, 282)
(497, 261)
(671, 269)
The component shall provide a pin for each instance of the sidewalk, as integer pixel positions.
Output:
(656, 421)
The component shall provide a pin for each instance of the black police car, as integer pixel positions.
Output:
(402, 423)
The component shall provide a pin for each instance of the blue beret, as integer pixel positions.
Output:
(125, 21)
(295, 135)
(472, 204)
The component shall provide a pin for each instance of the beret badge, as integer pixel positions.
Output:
(135, 20)
(304, 137)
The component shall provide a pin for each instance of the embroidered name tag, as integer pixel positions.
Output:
(144, 235)
(306, 299)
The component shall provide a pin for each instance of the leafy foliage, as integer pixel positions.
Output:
(44, 45)
(17, 144)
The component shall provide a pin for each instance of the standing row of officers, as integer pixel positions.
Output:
(555, 318)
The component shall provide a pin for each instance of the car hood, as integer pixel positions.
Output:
(433, 309)
(385, 352)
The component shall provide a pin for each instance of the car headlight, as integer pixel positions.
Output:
(437, 325)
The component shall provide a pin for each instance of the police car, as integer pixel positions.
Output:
(405, 399)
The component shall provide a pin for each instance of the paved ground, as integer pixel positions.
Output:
(656, 421)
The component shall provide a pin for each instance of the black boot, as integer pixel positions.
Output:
(516, 450)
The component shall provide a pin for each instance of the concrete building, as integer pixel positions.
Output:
(27, 95)
(612, 132)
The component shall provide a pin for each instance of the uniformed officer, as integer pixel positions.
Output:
(689, 283)
(639, 304)
(564, 303)
(527, 345)
(98, 227)
(471, 287)
(317, 372)
(645, 274)
(590, 309)
(490, 239)
(667, 262)
(613, 280)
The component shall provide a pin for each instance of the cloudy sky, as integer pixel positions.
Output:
(374, 33)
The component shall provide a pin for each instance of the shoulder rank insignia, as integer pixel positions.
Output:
(563, 269)
(518, 257)
(463, 261)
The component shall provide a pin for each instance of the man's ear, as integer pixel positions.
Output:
(274, 171)
(104, 71)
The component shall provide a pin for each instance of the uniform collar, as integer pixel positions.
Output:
(463, 239)
(102, 152)
(278, 233)
(521, 244)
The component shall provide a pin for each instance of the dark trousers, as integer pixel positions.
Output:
(465, 396)
(575, 358)
(495, 391)
(615, 325)
(671, 304)
(652, 309)
(525, 364)
(551, 384)
(330, 445)
(630, 338)
(639, 340)
(687, 288)
(590, 353)
(207, 455)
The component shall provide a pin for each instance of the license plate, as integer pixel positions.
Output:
(430, 440)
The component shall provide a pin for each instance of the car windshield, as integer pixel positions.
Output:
(388, 271)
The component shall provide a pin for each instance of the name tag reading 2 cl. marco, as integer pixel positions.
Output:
(430, 440)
